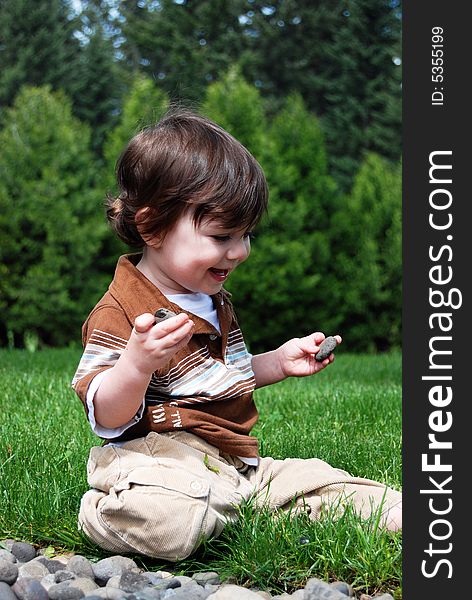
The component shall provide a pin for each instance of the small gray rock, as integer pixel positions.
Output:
(184, 580)
(133, 582)
(110, 593)
(24, 552)
(51, 565)
(206, 577)
(113, 565)
(187, 593)
(7, 555)
(146, 594)
(85, 584)
(265, 595)
(210, 588)
(285, 596)
(8, 572)
(383, 597)
(233, 592)
(326, 347)
(162, 314)
(65, 591)
(48, 580)
(28, 588)
(170, 583)
(7, 543)
(153, 577)
(33, 569)
(163, 574)
(114, 582)
(81, 566)
(315, 589)
(343, 587)
(6, 592)
(64, 575)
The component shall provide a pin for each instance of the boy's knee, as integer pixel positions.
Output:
(168, 523)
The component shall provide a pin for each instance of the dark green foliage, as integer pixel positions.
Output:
(340, 56)
(49, 220)
(366, 273)
(144, 105)
(97, 88)
(45, 42)
(362, 88)
(37, 46)
(183, 45)
(321, 261)
(276, 290)
(280, 288)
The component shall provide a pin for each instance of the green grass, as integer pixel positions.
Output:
(349, 415)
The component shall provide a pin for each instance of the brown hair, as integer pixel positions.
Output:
(185, 161)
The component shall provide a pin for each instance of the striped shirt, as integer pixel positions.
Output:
(206, 388)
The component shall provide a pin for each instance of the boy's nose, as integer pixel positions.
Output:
(239, 250)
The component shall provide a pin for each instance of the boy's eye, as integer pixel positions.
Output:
(227, 238)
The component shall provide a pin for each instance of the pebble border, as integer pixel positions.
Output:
(27, 574)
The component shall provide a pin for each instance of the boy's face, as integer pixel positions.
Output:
(196, 258)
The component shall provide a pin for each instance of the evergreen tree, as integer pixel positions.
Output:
(144, 105)
(98, 83)
(184, 45)
(287, 41)
(237, 107)
(365, 279)
(46, 42)
(342, 57)
(273, 289)
(304, 198)
(50, 227)
(37, 46)
(363, 94)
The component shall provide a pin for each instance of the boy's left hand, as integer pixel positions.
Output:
(297, 356)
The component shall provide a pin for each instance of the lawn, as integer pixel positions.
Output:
(349, 415)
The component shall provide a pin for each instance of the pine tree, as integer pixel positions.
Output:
(144, 104)
(237, 107)
(342, 57)
(50, 224)
(37, 46)
(183, 45)
(365, 278)
(46, 42)
(362, 90)
(98, 83)
(291, 251)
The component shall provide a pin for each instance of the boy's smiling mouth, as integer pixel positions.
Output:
(219, 274)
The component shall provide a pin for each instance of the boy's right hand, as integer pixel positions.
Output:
(151, 345)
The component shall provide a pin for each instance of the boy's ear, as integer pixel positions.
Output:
(152, 240)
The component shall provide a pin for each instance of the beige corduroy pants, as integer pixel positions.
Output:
(162, 494)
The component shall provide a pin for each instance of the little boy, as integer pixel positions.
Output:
(174, 399)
